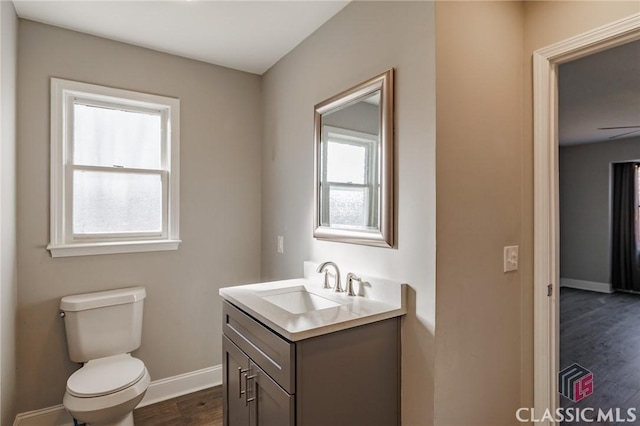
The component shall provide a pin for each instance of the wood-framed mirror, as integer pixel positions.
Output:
(353, 138)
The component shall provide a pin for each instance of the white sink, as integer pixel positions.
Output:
(299, 308)
(297, 300)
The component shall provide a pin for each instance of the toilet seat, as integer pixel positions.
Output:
(104, 376)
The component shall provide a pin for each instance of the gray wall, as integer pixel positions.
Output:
(479, 308)
(361, 117)
(219, 213)
(585, 207)
(8, 273)
(363, 40)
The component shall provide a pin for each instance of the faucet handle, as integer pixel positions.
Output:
(350, 278)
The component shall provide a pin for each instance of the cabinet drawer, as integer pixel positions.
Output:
(272, 353)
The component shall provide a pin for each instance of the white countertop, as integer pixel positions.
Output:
(378, 299)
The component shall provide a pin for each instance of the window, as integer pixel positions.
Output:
(349, 179)
(114, 170)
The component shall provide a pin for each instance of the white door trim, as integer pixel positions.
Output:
(546, 205)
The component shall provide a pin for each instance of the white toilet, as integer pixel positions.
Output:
(102, 329)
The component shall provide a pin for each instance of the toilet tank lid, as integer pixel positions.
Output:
(100, 299)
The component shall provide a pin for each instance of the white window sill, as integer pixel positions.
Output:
(90, 249)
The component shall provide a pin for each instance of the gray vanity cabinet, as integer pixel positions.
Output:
(345, 378)
(252, 397)
(236, 363)
(273, 406)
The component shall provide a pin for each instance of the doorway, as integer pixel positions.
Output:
(599, 153)
(546, 201)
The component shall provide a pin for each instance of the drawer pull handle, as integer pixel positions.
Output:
(240, 372)
(246, 387)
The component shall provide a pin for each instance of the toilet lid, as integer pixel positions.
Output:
(105, 375)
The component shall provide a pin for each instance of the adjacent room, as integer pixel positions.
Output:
(599, 112)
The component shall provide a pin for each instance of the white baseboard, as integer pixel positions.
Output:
(586, 285)
(171, 387)
(50, 416)
(159, 390)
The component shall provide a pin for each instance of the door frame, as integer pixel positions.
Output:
(546, 269)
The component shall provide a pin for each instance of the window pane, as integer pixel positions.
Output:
(109, 137)
(347, 207)
(116, 202)
(346, 163)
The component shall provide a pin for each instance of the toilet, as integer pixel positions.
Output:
(103, 328)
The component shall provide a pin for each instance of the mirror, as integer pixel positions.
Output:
(354, 164)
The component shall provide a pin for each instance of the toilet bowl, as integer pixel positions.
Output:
(102, 330)
(105, 391)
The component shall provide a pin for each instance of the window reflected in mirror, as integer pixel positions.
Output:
(350, 179)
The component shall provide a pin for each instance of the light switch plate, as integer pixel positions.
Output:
(280, 244)
(510, 258)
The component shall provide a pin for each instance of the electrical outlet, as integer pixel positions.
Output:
(510, 258)
(280, 244)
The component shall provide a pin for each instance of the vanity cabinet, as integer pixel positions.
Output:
(343, 378)
(250, 384)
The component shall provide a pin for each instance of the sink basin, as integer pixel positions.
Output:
(297, 300)
(299, 308)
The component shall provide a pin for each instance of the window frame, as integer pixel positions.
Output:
(64, 95)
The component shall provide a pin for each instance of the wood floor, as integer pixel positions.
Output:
(203, 408)
(601, 332)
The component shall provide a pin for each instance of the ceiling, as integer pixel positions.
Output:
(600, 90)
(244, 35)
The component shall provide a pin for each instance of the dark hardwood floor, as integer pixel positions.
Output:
(601, 332)
(203, 408)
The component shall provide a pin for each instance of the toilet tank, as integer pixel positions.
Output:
(104, 323)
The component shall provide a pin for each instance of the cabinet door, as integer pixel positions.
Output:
(270, 404)
(235, 366)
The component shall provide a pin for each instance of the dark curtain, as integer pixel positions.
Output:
(625, 267)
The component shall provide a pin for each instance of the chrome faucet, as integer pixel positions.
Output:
(323, 268)
(351, 277)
